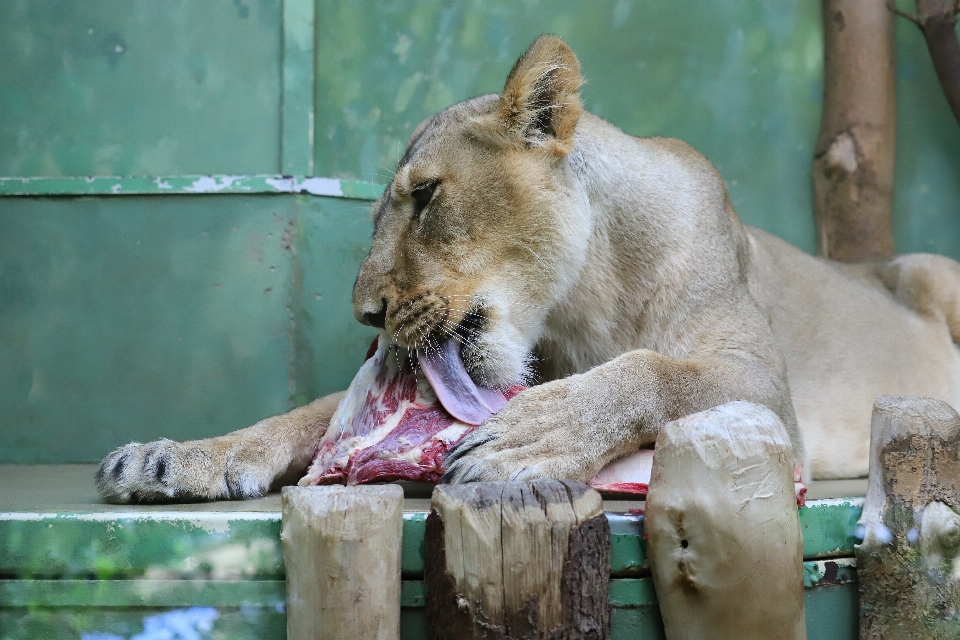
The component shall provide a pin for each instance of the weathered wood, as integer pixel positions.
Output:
(908, 572)
(341, 548)
(853, 161)
(724, 536)
(517, 560)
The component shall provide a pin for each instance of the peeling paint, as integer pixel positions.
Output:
(836, 502)
(829, 572)
(212, 184)
(211, 525)
(209, 184)
(313, 186)
(211, 522)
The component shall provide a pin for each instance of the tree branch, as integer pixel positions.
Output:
(853, 161)
(903, 14)
(937, 20)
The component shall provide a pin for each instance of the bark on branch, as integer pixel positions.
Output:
(853, 161)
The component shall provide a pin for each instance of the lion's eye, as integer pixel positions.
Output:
(422, 194)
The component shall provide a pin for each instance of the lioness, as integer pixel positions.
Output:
(614, 270)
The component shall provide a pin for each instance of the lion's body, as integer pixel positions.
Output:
(848, 337)
(538, 233)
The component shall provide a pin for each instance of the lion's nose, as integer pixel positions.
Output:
(376, 319)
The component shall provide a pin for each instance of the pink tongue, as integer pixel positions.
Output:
(458, 394)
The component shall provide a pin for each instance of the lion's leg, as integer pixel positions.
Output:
(241, 464)
(570, 428)
(929, 284)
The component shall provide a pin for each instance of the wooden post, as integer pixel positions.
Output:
(341, 549)
(853, 161)
(724, 535)
(517, 560)
(907, 566)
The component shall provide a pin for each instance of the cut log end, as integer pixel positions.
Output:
(517, 560)
(341, 549)
(907, 565)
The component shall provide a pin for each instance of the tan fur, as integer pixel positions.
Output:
(241, 464)
(615, 269)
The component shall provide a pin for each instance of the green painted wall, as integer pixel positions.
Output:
(740, 81)
(926, 211)
(170, 316)
(139, 87)
(104, 340)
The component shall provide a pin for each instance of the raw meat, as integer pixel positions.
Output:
(395, 425)
(390, 426)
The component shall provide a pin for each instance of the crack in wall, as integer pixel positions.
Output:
(301, 376)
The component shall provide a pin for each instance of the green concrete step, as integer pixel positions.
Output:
(73, 567)
(245, 545)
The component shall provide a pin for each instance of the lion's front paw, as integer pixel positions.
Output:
(168, 471)
(488, 455)
(533, 437)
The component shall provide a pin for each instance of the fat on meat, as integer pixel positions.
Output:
(392, 426)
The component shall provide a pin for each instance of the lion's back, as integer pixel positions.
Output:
(848, 337)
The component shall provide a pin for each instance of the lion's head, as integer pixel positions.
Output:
(479, 234)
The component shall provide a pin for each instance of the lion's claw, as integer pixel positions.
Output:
(168, 471)
(531, 438)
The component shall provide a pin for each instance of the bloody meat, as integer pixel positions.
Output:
(391, 425)
(394, 425)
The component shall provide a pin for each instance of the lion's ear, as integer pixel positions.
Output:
(540, 104)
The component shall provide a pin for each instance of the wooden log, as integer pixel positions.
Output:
(907, 566)
(724, 536)
(341, 549)
(517, 560)
(852, 169)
